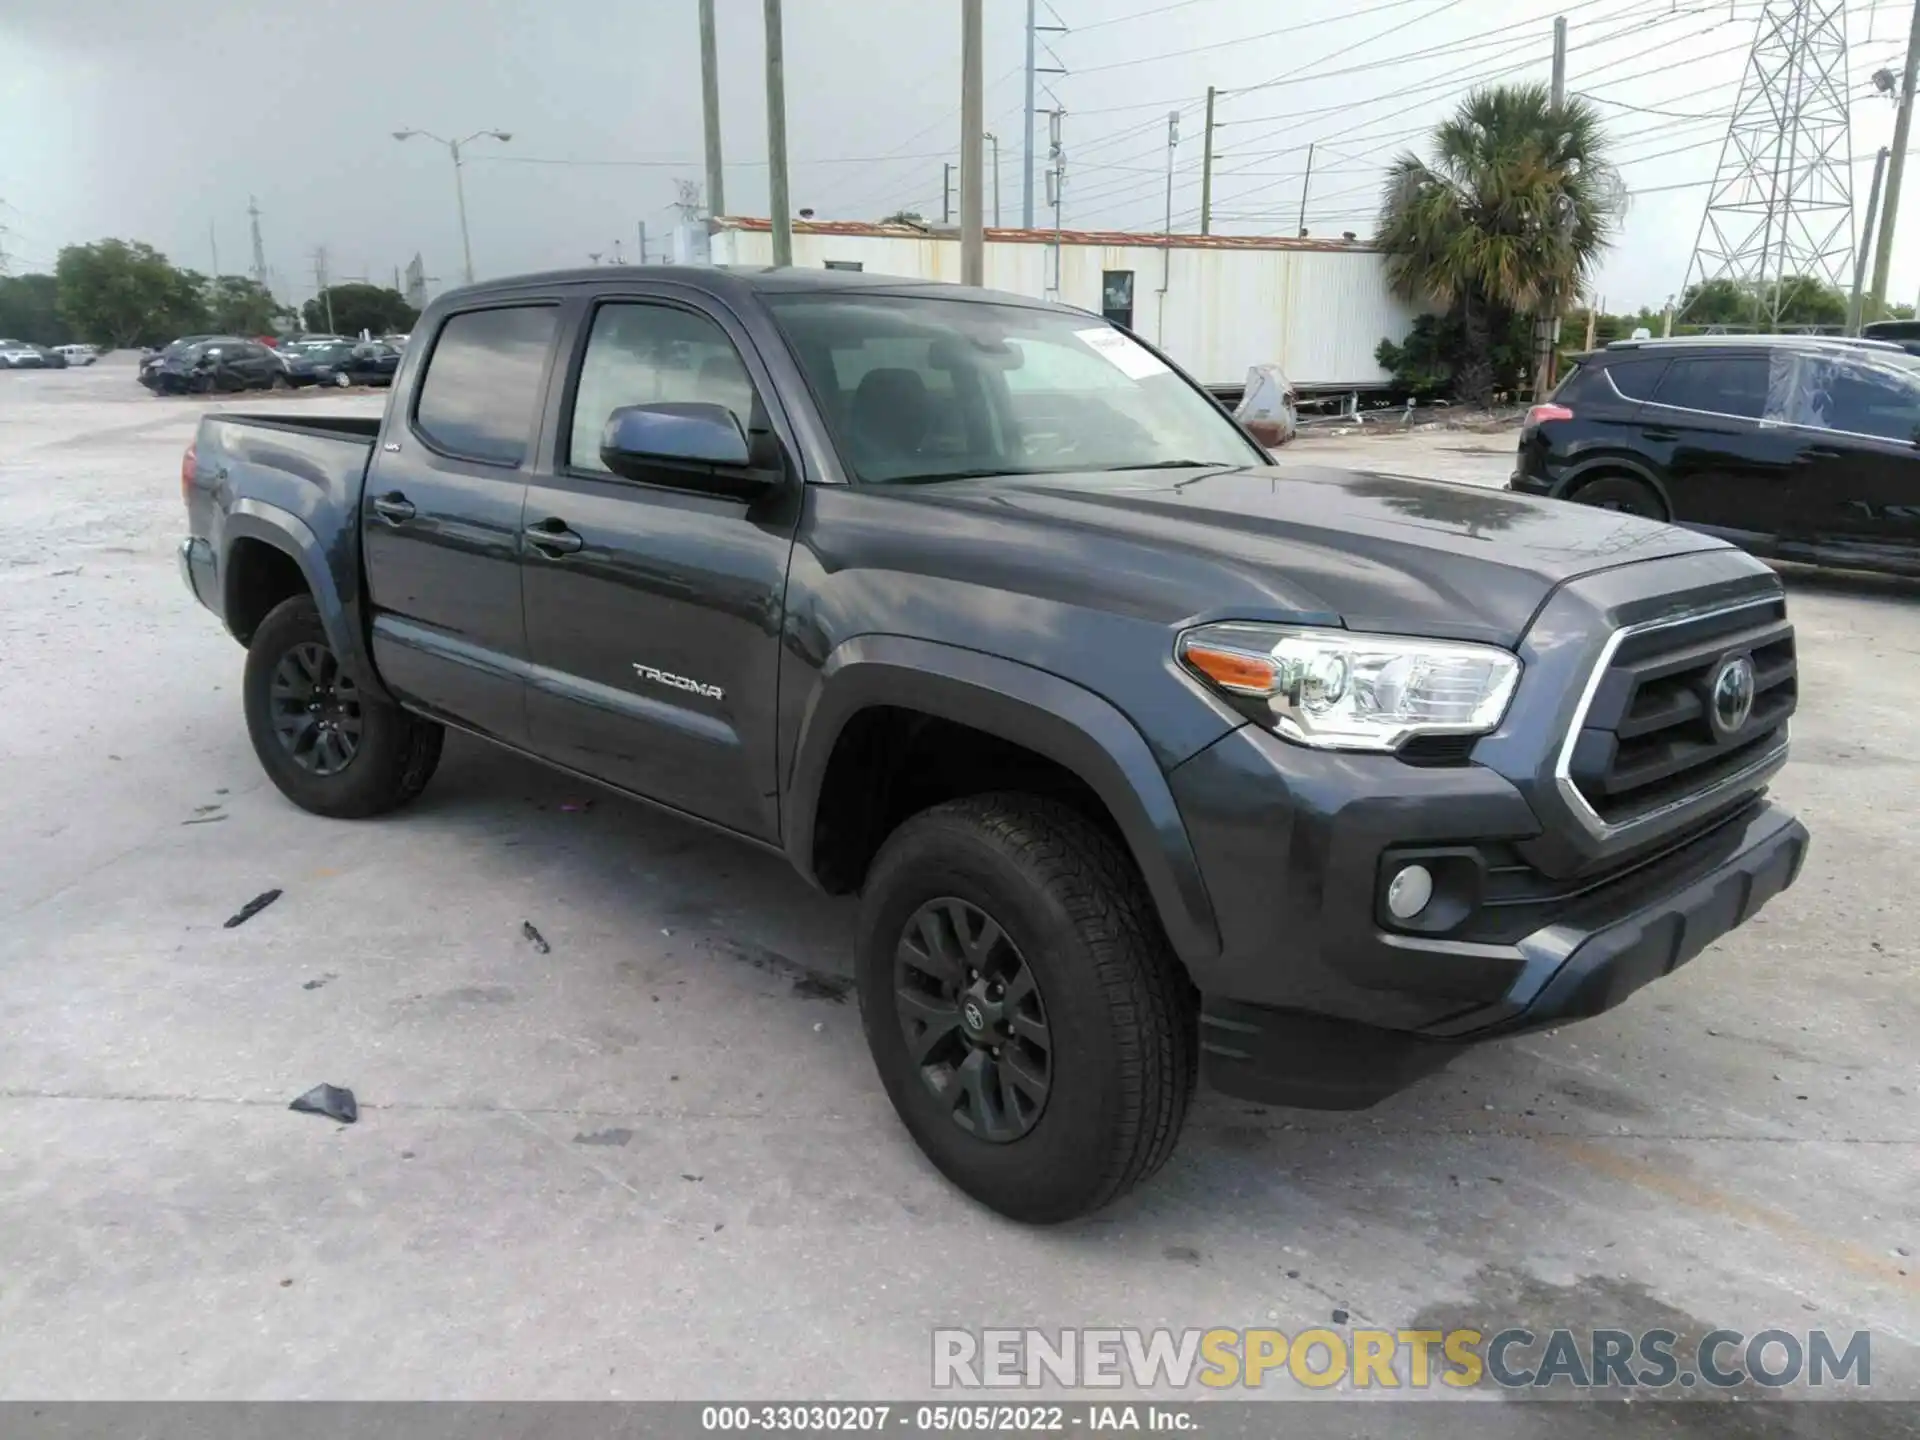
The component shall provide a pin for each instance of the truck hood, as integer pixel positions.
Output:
(1370, 551)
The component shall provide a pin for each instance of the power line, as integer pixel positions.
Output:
(1246, 39)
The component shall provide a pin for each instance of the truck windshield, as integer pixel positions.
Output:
(918, 389)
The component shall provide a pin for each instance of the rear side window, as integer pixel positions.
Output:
(1867, 401)
(1721, 385)
(482, 387)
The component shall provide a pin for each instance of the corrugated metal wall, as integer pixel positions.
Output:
(1318, 314)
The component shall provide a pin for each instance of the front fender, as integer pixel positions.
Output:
(1024, 706)
(288, 533)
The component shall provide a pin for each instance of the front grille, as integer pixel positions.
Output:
(1648, 740)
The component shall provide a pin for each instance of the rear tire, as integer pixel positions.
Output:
(1621, 493)
(328, 747)
(1080, 950)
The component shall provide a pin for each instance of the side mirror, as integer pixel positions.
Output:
(639, 439)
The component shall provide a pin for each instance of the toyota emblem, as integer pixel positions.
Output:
(1731, 699)
(970, 1012)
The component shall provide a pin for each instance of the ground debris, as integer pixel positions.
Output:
(252, 908)
(336, 1102)
(538, 940)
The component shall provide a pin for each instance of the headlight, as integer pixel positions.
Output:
(1336, 690)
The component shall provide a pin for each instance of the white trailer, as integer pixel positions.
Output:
(1217, 304)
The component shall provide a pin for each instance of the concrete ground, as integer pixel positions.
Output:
(654, 1161)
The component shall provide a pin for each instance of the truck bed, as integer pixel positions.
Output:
(287, 482)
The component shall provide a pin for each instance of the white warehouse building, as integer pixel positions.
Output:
(1216, 303)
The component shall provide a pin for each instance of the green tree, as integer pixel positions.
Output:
(903, 217)
(30, 310)
(1805, 300)
(1424, 364)
(117, 293)
(241, 305)
(1514, 207)
(356, 307)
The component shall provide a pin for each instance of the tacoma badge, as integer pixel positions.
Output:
(679, 682)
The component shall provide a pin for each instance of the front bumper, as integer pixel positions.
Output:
(1624, 936)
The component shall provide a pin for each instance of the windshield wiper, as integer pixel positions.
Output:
(1180, 465)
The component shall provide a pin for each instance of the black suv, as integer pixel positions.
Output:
(1793, 448)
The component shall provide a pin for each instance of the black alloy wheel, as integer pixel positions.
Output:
(1623, 495)
(973, 1019)
(316, 710)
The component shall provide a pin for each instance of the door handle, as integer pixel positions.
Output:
(1821, 452)
(394, 508)
(1659, 432)
(552, 537)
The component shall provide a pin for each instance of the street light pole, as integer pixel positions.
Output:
(972, 240)
(994, 140)
(459, 183)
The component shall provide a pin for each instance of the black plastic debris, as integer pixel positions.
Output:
(252, 908)
(336, 1102)
(539, 940)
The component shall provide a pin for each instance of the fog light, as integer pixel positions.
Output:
(1409, 893)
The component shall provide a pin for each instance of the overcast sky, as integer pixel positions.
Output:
(152, 122)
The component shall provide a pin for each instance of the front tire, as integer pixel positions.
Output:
(1623, 494)
(1027, 1016)
(329, 747)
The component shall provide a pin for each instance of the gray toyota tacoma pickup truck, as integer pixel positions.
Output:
(1149, 760)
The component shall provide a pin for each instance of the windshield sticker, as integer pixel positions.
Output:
(1134, 361)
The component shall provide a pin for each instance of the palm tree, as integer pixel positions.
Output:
(1509, 216)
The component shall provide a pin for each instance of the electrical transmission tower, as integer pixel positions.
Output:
(1782, 199)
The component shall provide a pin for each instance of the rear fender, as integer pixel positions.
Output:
(1050, 716)
(288, 533)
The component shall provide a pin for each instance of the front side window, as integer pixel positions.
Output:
(649, 355)
(482, 387)
(919, 389)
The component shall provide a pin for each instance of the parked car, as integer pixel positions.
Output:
(219, 364)
(1792, 448)
(1904, 333)
(19, 355)
(1145, 757)
(51, 357)
(372, 362)
(78, 354)
(152, 360)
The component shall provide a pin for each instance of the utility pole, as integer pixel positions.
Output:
(1026, 168)
(1305, 182)
(1896, 164)
(1866, 230)
(1026, 184)
(777, 140)
(641, 233)
(1206, 170)
(973, 240)
(946, 194)
(396, 280)
(1559, 61)
(994, 140)
(1166, 235)
(259, 253)
(1056, 182)
(1547, 322)
(710, 110)
(213, 243)
(1591, 317)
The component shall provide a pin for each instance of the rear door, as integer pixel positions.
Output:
(440, 519)
(1857, 427)
(653, 609)
(1725, 472)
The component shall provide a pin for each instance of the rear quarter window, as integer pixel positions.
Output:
(1636, 379)
(481, 390)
